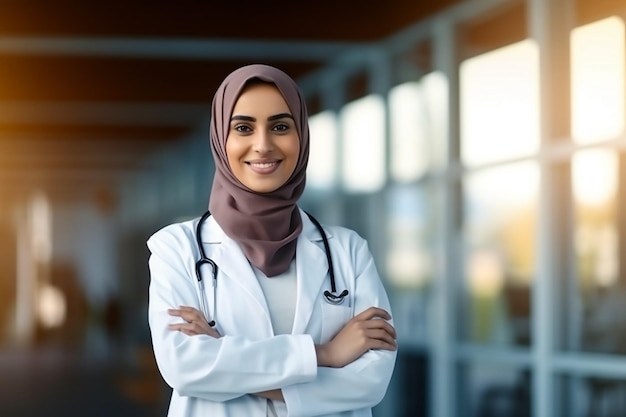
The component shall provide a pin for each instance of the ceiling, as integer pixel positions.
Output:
(89, 89)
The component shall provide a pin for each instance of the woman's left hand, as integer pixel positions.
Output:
(195, 322)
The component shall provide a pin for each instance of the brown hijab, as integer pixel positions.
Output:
(265, 225)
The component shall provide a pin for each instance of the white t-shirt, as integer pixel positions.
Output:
(280, 294)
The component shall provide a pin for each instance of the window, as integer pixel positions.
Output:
(418, 126)
(499, 104)
(597, 82)
(363, 134)
(321, 171)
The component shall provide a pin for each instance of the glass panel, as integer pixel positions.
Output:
(590, 397)
(495, 391)
(409, 157)
(500, 104)
(598, 68)
(418, 126)
(499, 235)
(601, 294)
(410, 259)
(435, 90)
(321, 171)
(363, 139)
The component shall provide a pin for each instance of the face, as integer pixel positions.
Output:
(262, 145)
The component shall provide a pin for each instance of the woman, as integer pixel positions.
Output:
(275, 345)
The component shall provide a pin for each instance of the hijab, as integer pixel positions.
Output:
(265, 225)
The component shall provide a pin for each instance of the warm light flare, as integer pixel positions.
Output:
(321, 171)
(52, 306)
(499, 104)
(598, 68)
(363, 133)
(594, 177)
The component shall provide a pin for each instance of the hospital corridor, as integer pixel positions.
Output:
(478, 146)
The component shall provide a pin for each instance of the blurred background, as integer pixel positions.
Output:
(478, 145)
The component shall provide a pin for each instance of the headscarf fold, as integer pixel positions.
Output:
(265, 225)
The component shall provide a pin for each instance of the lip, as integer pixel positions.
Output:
(264, 166)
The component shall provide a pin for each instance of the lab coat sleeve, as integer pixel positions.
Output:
(360, 384)
(205, 367)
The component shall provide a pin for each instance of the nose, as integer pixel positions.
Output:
(263, 142)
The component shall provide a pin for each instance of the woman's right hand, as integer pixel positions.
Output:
(365, 331)
(194, 324)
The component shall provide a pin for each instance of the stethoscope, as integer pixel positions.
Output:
(329, 296)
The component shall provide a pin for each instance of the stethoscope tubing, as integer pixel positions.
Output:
(329, 296)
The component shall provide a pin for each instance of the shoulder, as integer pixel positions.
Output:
(344, 234)
(175, 236)
(335, 233)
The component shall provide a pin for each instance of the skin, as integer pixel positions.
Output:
(263, 148)
(263, 145)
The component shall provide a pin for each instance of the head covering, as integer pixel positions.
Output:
(265, 225)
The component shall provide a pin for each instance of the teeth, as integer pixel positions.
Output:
(264, 164)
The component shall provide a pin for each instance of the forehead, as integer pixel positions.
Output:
(260, 98)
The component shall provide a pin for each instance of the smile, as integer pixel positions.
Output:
(265, 167)
(263, 164)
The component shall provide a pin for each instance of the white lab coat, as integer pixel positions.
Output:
(212, 377)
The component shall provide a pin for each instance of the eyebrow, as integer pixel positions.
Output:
(269, 119)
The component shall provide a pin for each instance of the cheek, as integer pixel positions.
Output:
(294, 150)
(232, 152)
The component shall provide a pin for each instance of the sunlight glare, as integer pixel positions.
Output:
(363, 133)
(321, 170)
(409, 154)
(594, 176)
(598, 68)
(499, 104)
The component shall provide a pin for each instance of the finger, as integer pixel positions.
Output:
(192, 329)
(372, 312)
(378, 344)
(380, 324)
(179, 312)
(177, 326)
(188, 313)
(381, 335)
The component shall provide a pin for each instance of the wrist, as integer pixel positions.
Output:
(321, 353)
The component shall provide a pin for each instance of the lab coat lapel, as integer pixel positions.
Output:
(233, 264)
(312, 270)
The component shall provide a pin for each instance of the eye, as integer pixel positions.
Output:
(242, 128)
(281, 127)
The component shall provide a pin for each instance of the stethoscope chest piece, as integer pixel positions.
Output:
(335, 299)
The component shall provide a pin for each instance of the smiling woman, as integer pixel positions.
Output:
(266, 339)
